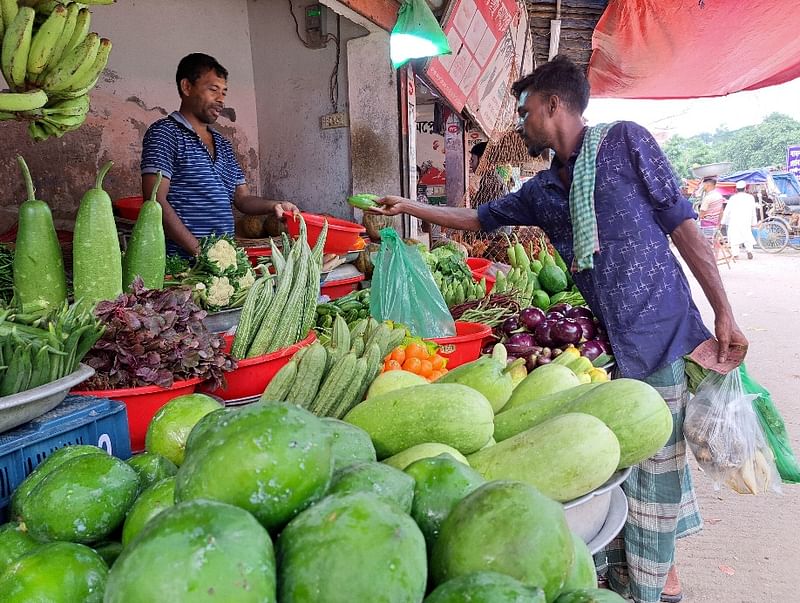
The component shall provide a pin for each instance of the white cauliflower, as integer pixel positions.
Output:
(220, 291)
(223, 255)
(247, 280)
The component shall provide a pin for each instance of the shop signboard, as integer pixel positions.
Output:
(793, 159)
(490, 40)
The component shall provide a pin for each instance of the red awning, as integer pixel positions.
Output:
(694, 48)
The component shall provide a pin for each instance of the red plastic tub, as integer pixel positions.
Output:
(466, 345)
(342, 235)
(479, 265)
(253, 253)
(252, 375)
(337, 289)
(128, 207)
(142, 403)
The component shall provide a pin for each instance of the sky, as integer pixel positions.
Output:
(665, 118)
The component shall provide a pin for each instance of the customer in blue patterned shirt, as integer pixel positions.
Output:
(202, 177)
(610, 205)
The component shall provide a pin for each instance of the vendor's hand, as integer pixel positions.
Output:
(284, 207)
(390, 205)
(729, 336)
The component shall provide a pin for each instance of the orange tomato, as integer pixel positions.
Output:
(425, 368)
(412, 365)
(438, 362)
(392, 365)
(435, 375)
(443, 371)
(416, 350)
(398, 354)
(359, 244)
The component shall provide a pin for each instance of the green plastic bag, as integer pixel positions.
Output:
(774, 429)
(403, 290)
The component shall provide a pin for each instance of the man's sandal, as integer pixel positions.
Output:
(672, 584)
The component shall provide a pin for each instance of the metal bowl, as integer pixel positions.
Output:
(222, 322)
(20, 408)
(617, 516)
(587, 515)
(711, 169)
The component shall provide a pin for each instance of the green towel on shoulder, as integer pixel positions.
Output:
(585, 242)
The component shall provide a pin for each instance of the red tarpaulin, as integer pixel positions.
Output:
(690, 49)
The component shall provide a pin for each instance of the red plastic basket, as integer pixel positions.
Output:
(128, 207)
(479, 265)
(142, 404)
(466, 345)
(253, 253)
(337, 289)
(252, 375)
(342, 235)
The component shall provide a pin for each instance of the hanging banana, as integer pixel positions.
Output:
(74, 65)
(16, 46)
(44, 41)
(22, 101)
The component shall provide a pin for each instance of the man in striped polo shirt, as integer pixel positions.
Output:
(202, 179)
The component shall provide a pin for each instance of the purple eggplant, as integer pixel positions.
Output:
(543, 360)
(592, 349)
(554, 315)
(511, 325)
(562, 308)
(543, 334)
(487, 349)
(520, 344)
(531, 318)
(587, 327)
(566, 331)
(578, 311)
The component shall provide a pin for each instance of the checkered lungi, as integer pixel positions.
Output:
(662, 505)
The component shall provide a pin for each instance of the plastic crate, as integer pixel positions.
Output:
(77, 420)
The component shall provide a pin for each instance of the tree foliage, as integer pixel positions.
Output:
(753, 147)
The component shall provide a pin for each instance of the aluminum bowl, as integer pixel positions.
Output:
(20, 408)
(587, 515)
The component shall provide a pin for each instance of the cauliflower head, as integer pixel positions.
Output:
(220, 291)
(246, 281)
(223, 255)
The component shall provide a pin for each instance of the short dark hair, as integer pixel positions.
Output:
(193, 66)
(478, 149)
(710, 179)
(559, 77)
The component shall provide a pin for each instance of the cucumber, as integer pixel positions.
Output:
(97, 260)
(146, 255)
(39, 278)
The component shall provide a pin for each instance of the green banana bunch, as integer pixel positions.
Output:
(74, 66)
(44, 41)
(8, 10)
(62, 43)
(16, 47)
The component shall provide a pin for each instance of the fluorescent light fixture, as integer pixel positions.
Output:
(416, 34)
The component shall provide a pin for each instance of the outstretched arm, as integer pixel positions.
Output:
(699, 256)
(458, 218)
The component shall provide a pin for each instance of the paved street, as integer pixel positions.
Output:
(749, 551)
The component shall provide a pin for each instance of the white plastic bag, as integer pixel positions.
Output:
(724, 434)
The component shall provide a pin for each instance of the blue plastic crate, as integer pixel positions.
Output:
(77, 420)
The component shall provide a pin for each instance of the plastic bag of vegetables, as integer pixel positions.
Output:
(725, 436)
(403, 290)
(774, 429)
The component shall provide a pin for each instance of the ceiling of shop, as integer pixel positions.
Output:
(578, 20)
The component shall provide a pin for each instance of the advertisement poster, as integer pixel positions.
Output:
(793, 159)
(490, 40)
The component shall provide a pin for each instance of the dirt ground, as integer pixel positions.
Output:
(749, 551)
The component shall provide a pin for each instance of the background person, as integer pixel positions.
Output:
(711, 204)
(740, 218)
(202, 179)
(627, 204)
